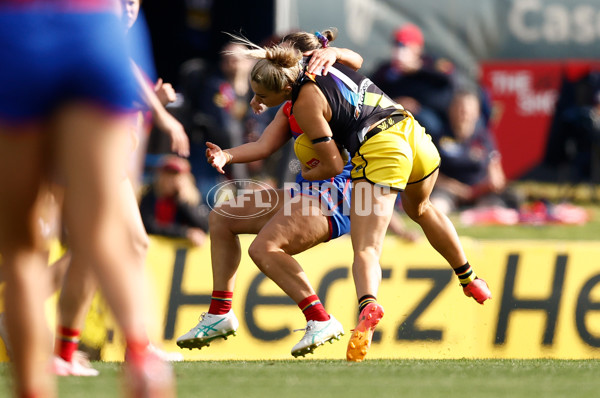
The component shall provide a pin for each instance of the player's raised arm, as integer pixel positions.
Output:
(166, 122)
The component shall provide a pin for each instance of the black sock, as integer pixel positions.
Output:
(465, 274)
(364, 301)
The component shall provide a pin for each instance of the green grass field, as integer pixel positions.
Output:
(375, 378)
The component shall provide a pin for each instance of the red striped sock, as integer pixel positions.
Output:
(313, 309)
(30, 394)
(67, 341)
(220, 302)
(137, 348)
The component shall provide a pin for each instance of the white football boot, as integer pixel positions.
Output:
(318, 333)
(164, 355)
(79, 366)
(210, 327)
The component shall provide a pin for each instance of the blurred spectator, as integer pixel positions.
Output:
(170, 206)
(471, 171)
(420, 82)
(573, 148)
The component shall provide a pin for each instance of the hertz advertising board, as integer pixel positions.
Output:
(546, 302)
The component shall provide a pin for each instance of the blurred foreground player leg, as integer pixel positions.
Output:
(80, 283)
(67, 118)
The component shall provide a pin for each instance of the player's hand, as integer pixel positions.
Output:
(165, 92)
(180, 143)
(216, 157)
(322, 58)
(311, 174)
(256, 107)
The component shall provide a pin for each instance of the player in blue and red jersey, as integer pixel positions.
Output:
(79, 286)
(309, 213)
(65, 105)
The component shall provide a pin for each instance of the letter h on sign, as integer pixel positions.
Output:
(550, 305)
(177, 297)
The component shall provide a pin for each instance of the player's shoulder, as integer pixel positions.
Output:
(309, 97)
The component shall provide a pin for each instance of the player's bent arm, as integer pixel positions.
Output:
(275, 135)
(311, 110)
(169, 125)
(164, 120)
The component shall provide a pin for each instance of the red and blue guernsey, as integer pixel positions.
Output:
(63, 5)
(333, 193)
(56, 51)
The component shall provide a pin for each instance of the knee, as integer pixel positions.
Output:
(218, 223)
(256, 252)
(141, 242)
(259, 253)
(367, 256)
(416, 212)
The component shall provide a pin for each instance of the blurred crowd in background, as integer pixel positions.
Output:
(213, 89)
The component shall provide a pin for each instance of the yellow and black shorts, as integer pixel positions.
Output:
(399, 155)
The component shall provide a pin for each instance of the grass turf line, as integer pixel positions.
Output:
(488, 378)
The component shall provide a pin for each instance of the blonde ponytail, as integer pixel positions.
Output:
(277, 67)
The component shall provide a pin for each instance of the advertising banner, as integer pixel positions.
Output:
(546, 302)
(523, 96)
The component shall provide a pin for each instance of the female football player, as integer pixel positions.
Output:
(390, 153)
(297, 219)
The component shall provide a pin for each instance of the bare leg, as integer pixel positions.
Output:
(225, 224)
(89, 158)
(24, 258)
(77, 292)
(58, 271)
(436, 225)
(372, 209)
(91, 154)
(285, 235)
(282, 232)
(80, 282)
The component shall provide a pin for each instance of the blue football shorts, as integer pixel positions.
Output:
(50, 58)
(334, 195)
